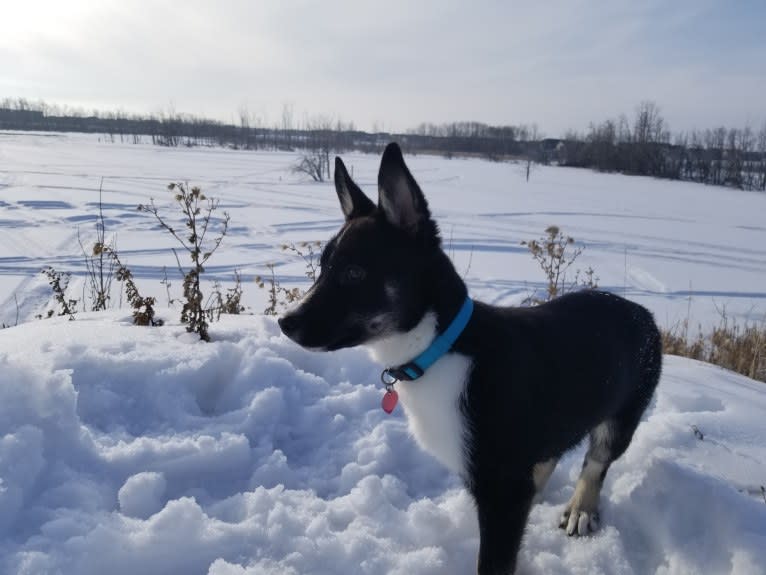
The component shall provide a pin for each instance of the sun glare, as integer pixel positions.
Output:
(27, 22)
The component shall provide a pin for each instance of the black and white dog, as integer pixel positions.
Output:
(496, 394)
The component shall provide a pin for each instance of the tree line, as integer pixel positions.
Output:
(733, 157)
(249, 131)
(722, 156)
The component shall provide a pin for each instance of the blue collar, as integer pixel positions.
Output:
(441, 345)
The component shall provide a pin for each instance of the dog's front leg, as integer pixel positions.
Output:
(503, 507)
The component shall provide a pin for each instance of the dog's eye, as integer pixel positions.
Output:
(353, 274)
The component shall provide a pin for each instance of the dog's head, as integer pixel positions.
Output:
(371, 283)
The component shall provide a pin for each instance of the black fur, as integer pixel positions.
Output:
(542, 377)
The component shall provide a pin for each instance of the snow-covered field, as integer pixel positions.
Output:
(655, 241)
(140, 450)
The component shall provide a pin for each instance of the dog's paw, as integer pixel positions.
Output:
(579, 521)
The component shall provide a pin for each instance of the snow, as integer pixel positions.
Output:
(682, 249)
(126, 449)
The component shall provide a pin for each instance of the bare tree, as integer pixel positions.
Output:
(244, 126)
(319, 144)
(312, 164)
(761, 149)
(287, 124)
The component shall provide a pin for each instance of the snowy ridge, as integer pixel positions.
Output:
(141, 450)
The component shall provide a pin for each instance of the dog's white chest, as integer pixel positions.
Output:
(432, 405)
(432, 402)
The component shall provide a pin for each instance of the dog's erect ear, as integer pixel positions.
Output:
(399, 196)
(353, 202)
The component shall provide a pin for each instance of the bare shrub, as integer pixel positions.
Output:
(229, 303)
(315, 164)
(676, 341)
(167, 284)
(309, 252)
(281, 297)
(232, 301)
(555, 253)
(197, 210)
(99, 267)
(143, 307)
(59, 281)
(738, 347)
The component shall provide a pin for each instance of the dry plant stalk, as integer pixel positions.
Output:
(738, 347)
(59, 281)
(197, 210)
(279, 296)
(143, 307)
(555, 253)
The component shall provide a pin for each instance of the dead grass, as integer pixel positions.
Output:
(732, 345)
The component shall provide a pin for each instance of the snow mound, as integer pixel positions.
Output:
(134, 449)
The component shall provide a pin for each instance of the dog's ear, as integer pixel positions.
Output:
(353, 202)
(399, 196)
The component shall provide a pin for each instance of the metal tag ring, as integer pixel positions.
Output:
(387, 379)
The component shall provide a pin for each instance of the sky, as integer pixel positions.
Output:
(559, 64)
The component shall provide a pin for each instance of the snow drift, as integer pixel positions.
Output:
(143, 450)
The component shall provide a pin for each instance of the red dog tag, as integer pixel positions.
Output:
(389, 400)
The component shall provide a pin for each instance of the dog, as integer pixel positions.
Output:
(497, 394)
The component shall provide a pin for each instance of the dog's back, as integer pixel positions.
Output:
(555, 371)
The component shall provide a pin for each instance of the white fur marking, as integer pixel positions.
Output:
(581, 513)
(400, 348)
(602, 433)
(592, 471)
(432, 403)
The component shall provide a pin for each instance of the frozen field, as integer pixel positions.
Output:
(657, 242)
(129, 450)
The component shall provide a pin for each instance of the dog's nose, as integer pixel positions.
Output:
(288, 324)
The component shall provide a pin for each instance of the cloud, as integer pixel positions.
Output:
(560, 64)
